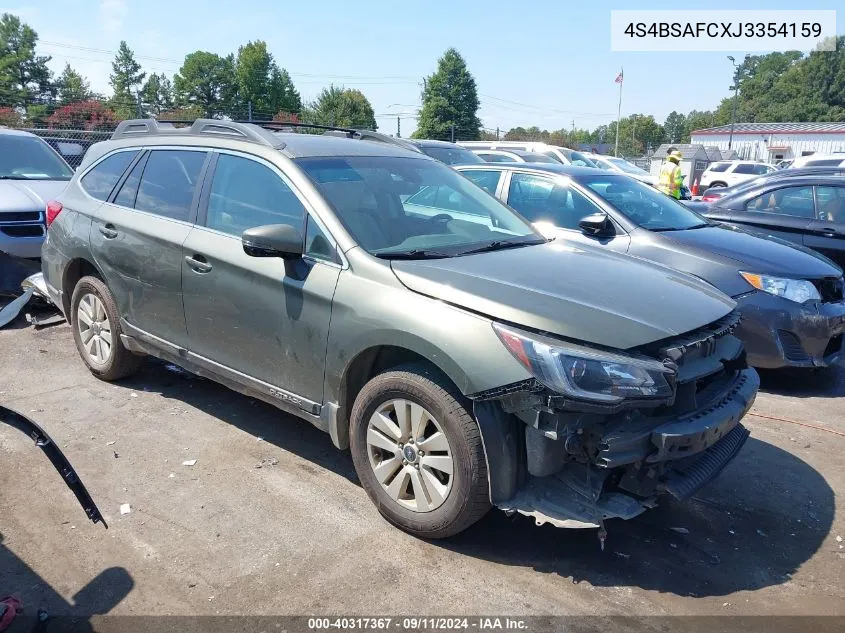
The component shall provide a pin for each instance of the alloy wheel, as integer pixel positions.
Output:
(94, 327)
(410, 455)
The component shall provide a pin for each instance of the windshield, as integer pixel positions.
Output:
(413, 207)
(627, 167)
(30, 158)
(533, 157)
(643, 205)
(452, 155)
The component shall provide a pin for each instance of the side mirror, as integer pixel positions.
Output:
(273, 240)
(597, 225)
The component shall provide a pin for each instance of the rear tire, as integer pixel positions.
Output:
(414, 489)
(717, 185)
(96, 331)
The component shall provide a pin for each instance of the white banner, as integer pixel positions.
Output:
(720, 30)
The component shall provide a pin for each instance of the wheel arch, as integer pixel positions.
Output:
(75, 270)
(375, 359)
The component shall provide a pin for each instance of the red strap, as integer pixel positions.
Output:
(14, 607)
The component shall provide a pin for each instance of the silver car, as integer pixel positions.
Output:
(31, 173)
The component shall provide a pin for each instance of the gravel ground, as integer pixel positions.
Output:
(271, 518)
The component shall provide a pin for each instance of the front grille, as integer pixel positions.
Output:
(792, 348)
(831, 289)
(701, 342)
(20, 216)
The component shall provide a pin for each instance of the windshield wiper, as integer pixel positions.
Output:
(501, 244)
(415, 253)
(678, 228)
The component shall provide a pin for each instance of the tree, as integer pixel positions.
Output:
(157, 94)
(10, 117)
(206, 81)
(262, 85)
(675, 127)
(449, 101)
(343, 107)
(24, 76)
(87, 115)
(72, 86)
(126, 76)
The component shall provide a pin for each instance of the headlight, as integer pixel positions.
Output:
(587, 374)
(798, 290)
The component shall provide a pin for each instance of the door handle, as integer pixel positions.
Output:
(828, 231)
(108, 231)
(197, 263)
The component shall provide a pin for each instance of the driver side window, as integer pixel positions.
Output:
(246, 194)
(541, 199)
(792, 201)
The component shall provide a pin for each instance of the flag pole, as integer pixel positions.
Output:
(619, 111)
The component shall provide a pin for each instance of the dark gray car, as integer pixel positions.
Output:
(791, 298)
(384, 298)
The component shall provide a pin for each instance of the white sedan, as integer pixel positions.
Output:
(622, 166)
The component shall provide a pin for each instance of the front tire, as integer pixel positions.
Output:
(418, 452)
(96, 331)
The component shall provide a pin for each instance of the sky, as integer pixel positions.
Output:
(543, 63)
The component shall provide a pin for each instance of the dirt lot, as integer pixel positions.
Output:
(298, 534)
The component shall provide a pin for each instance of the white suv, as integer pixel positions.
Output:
(731, 172)
(559, 154)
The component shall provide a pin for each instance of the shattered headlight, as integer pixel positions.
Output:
(585, 373)
(798, 290)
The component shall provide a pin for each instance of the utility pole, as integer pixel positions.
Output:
(453, 132)
(619, 79)
(249, 110)
(398, 128)
(736, 98)
(497, 133)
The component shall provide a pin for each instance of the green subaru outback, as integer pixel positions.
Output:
(465, 360)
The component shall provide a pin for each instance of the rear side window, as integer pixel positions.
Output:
(719, 167)
(245, 194)
(129, 189)
(745, 168)
(487, 180)
(169, 182)
(99, 182)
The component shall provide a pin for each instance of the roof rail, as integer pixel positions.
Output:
(283, 126)
(200, 127)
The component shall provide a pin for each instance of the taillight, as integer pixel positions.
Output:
(53, 210)
(709, 198)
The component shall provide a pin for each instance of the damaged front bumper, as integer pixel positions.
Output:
(577, 464)
(57, 458)
(781, 333)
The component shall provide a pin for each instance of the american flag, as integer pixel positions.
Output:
(618, 79)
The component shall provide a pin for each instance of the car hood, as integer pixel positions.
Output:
(28, 195)
(717, 253)
(578, 292)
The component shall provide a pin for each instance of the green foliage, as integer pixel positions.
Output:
(675, 127)
(72, 87)
(206, 81)
(262, 83)
(157, 94)
(24, 76)
(125, 79)
(449, 101)
(343, 107)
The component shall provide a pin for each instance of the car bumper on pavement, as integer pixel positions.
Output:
(781, 333)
